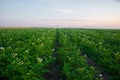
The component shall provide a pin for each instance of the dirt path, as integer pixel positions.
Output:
(54, 67)
(102, 75)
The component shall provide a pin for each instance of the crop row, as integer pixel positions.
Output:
(103, 46)
(74, 66)
(25, 53)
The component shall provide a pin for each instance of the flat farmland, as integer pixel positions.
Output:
(59, 54)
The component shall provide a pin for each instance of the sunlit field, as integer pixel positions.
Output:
(59, 54)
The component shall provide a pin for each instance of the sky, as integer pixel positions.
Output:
(61, 13)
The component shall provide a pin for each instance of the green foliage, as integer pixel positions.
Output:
(103, 46)
(74, 65)
(25, 54)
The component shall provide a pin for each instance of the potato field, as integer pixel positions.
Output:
(59, 54)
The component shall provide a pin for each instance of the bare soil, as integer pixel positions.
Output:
(55, 67)
(99, 69)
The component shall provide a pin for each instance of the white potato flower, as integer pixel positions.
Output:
(2, 48)
(53, 49)
(100, 75)
(39, 59)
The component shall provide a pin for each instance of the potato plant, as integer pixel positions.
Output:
(25, 53)
(103, 46)
(74, 65)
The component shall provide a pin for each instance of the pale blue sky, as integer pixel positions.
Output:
(60, 12)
